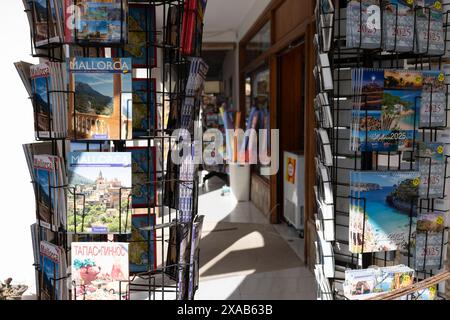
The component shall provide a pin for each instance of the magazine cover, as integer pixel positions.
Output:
(45, 175)
(143, 176)
(100, 270)
(141, 36)
(96, 21)
(50, 262)
(390, 202)
(144, 107)
(100, 184)
(41, 84)
(102, 106)
(142, 244)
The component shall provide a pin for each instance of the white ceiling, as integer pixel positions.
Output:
(226, 15)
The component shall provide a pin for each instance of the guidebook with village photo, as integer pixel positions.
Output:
(99, 192)
(100, 270)
(383, 210)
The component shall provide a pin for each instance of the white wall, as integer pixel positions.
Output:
(17, 211)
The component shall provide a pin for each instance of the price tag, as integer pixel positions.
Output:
(416, 182)
(440, 149)
(440, 220)
(441, 77)
(438, 5)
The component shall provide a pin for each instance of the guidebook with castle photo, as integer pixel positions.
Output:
(383, 210)
(96, 21)
(100, 270)
(53, 268)
(99, 192)
(102, 105)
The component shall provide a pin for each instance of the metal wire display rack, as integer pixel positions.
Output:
(343, 59)
(169, 278)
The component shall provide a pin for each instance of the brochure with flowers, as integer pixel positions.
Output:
(100, 270)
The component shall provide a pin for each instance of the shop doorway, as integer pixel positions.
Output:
(291, 67)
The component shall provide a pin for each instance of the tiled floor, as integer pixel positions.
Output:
(244, 257)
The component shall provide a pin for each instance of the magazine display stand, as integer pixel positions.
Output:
(173, 236)
(335, 105)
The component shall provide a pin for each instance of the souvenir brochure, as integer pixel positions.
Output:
(141, 36)
(432, 164)
(325, 213)
(398, 25)
(99, 198)
(53, 267)
(48, 80)
(100, 270)
(383, 210)
(143, 176)
(429, 241)
(194, 268)
(192, 27)
(48, 178)
(142, 247)
(429, 27)
(433, 100)
(144, 108)
(102, 105)
(96, 21)
(363, 24)
(324, 147)
(365, 283)
(325, 251)
(46, 21)
(24, 71)
(386, 108)
(323, 111)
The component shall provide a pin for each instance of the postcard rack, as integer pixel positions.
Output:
(342, 60)
(170, 278)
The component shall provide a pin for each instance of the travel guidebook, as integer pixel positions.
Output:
(102, 105)
(100, 186)
(100, 270)
(48, 175)
(53, 266)
(386, 109)
(143, 176)
(390, 203)
(142, 244)
(141, 36)
(96, 21)
(144, 107)
(45, 22)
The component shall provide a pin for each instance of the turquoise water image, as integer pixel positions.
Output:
(384, 218)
